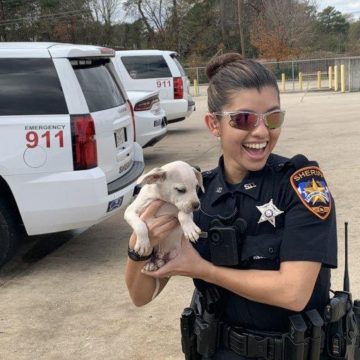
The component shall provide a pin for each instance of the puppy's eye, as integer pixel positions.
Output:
(181, 190)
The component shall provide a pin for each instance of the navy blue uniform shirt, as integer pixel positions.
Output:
(290, 216)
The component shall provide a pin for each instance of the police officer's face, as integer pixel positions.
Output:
(248, 150)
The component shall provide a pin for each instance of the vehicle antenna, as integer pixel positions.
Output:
(346, 273)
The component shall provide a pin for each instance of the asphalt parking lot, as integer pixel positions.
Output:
(64, 296)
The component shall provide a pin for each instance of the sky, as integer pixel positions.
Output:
(344, 6)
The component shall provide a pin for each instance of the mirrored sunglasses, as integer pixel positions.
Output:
(245, 120)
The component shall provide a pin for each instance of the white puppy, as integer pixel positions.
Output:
(175, 183)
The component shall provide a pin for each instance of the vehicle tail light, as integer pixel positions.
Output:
(178, 88)
(146, 104)
(83, 142)
(107, 51)
(133, 118)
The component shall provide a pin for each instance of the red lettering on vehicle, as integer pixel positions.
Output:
(46, 135)
(33, 138)
(163, 83)
(60, 135)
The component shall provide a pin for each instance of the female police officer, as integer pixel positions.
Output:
(280, 210)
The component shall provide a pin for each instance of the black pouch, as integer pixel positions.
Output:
(294, 341)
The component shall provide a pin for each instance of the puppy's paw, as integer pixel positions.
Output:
(191, 232)
(159, 263)
(143, 247)
(150, 266)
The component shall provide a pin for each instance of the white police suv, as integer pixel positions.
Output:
(67, 153)
(157, 70)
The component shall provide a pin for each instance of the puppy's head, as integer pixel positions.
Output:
(176, 183)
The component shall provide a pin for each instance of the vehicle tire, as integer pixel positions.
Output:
(8, 232)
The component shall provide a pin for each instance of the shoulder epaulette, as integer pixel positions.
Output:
(299, 161)
(277, 162)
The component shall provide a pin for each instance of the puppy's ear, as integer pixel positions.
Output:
(155, 176)
(199, 179)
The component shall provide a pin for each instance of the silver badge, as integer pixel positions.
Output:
(219, 190)
(268, 212)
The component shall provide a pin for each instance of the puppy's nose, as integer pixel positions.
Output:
(195, 205)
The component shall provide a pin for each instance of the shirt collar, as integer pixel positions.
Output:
(249, 186)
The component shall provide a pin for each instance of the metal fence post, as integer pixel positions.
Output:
(342, 77)
(196, 88)
(283, 81)
(336, 78)
(300, 81)
(330, 77)
(349, 74)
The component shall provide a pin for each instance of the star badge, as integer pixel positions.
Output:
(268, 212)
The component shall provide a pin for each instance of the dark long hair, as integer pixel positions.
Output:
(230, 73)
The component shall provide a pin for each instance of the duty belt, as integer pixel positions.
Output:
(203, 334)
(252, 345)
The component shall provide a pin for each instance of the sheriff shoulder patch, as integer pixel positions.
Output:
(310, 185)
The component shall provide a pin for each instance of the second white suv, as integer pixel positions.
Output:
(67, 153)
(150, 70)
(150, 118)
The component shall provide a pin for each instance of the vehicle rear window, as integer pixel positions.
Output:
(182, 71)
(30, 87)
(146, 67)
(98, 85)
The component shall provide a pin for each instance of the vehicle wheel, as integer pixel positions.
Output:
(8, 232)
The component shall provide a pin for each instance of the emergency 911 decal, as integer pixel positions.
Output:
(42, 135)
(310, 185)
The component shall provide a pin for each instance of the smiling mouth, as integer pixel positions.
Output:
(255, 147)
(256, 150)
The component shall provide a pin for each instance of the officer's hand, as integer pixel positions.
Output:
(186, 262)
(159, 227)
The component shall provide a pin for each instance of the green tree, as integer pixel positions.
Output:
(128, 36)
(332, 30)
(16, 19)
(43, 20)
(353, 45)
(334, 21)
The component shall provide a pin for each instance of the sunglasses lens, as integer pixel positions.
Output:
(243, 121)
(248, 121)
(275, 119)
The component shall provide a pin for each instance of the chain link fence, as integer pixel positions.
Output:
(335, 74)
